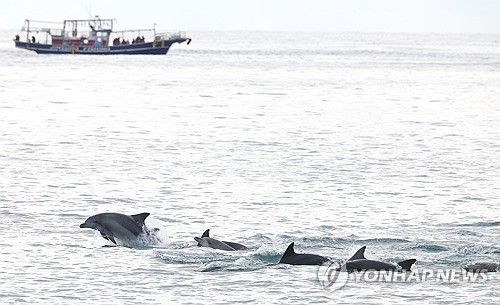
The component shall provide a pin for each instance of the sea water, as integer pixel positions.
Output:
(329, 140)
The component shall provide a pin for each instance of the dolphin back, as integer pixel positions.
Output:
(235, 246)
(368, 264)
(482, 267)
(292, 258)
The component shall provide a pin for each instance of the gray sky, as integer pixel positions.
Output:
(459, 16)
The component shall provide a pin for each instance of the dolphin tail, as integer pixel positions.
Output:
(140, 218)
(360, 254)
(288, 252)
(205, 234)
(406, 265)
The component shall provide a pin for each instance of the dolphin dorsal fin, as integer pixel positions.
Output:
(360, 254)
(206, 233)
(139, 218)
(289, 251)
(406, 265)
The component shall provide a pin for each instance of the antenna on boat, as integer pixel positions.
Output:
(87, 8)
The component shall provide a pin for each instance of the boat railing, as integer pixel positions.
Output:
(36, 26)
(51, 31)
(170, 36)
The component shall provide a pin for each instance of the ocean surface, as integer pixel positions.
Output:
(329, 140)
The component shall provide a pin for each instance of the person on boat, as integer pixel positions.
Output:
(17, 37)
(142, 39)
(33, 40)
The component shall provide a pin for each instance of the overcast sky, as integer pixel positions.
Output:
(459, 16)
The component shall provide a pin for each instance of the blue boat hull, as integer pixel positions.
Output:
(146, 48)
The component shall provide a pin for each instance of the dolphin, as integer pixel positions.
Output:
(114, 226)
(213, 243)
(235, 246)
(359, 262)
(292, 258)
(482, 267)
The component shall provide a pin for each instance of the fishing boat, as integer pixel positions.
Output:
(95, 37)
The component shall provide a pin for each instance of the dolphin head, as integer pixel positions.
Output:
(202, 242)
(93, 222)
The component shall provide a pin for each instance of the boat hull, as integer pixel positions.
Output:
(147, 48)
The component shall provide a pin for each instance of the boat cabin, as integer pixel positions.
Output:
(96, 32)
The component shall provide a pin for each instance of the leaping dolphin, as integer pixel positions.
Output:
(292, 258)
(359, 262)
(235, 246)
(114, 226)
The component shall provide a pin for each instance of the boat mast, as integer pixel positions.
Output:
(28, 31)
(63, 32)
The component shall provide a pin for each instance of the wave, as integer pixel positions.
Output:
(216, 260)
(241, 264)
(429, 248)
(482, 224)
(384, 240)
(341, 242)
(477, 249)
